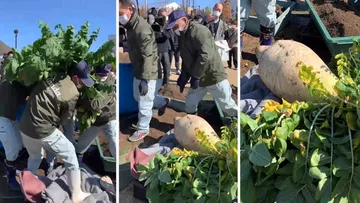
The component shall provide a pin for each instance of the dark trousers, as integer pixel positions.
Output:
(175, 54)
(164, 62)
(233, 54)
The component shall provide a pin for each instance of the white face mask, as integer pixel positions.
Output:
(101, 79)
(217, 13)
(123, 19)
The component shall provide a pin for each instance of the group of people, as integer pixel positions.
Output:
(168, 40)
(49, 106)
(201, 64)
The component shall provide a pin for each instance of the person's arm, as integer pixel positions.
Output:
(147, 49)
(202, 41)
(161, 37)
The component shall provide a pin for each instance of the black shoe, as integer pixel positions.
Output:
(162, 110)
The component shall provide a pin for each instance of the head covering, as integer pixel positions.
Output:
(173, 17)
(82, 71)
(99, 70)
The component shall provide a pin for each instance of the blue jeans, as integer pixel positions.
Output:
(10, 138)
(88, 136)
(221, 92)
(69, 131)
(55, 143)
(147, 103)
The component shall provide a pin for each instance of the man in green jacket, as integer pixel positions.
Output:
(106, 121)
(201, 63)
(143, 55)
(51, 104)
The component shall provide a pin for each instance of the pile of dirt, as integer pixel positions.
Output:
(173, 91)
(340, 18)
(124, 57)
(279, 10)
(104, 145)
(159, 125)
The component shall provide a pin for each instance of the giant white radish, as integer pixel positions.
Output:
(185, 129)
(279, 71)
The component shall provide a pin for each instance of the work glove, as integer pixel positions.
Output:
(143, 87)
(181, 83)
(194, 83)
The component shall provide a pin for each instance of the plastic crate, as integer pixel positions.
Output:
(334, 44)
(252, 25)
(109, 162)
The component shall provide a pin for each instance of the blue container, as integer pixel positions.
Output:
(127, 103)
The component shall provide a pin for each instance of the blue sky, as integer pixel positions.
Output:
(202, 3)
(24, 15)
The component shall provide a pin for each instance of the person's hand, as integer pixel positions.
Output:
(181, 83)
(143, 87)
(194, 83)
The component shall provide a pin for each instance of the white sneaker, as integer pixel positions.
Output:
(136, 136)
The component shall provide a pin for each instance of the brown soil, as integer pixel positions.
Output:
(124, 57)
(340, 18)
(279, 10)
(173, 91)
(159, 126)
(248, 57)
(104, 145)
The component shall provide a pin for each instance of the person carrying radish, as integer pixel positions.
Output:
(51, 104)
(265, 11)
(14, 95)
(106, 121)
(202, 64)
(143, 54)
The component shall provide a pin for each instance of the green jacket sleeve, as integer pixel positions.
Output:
(202, 42)
(96, 105)
(146, 46)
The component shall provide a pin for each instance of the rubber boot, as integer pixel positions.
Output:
(77, 195)
(11, 178)
(266, 35)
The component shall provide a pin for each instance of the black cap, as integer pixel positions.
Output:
(82, 71)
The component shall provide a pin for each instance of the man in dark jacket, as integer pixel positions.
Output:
(13, 97)
(51, 104)
(231, 36)
(106, 121)
(217, 26)
(143, 55)
(175, 50)
(201, 63)
(163, 42)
